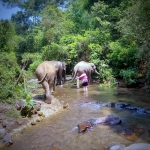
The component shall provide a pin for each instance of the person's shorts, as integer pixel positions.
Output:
(85, 84)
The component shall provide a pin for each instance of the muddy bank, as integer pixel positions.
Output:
(10, 127)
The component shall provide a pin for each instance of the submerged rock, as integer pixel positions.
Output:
(106, 120)
(131, 133)
(56, 147)
(117, 147)
(82, 127)
(138, 146)
(7, 139)
(2, 133)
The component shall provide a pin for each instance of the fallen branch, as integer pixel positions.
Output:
(21, 73)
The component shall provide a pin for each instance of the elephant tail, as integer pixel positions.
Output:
(39, 82)
(75, 73)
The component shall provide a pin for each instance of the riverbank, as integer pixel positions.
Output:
(10, 126)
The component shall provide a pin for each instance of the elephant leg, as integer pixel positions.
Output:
(47, 92)
(60, 78)
(77, 83)
(89, 76)
(54, 84)
(51, 88)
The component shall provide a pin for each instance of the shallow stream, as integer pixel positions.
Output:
(61, 130)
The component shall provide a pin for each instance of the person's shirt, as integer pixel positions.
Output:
(84, 77)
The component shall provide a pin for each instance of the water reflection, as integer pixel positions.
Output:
(85, 97)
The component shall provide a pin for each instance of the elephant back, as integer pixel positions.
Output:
(43, 69)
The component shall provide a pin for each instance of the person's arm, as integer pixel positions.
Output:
(82, 75)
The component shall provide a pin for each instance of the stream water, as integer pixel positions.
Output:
(61, 130)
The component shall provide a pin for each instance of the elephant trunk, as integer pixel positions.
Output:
(96, 72)
(39, 82)
(65, 76)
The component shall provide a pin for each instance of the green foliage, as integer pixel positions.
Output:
(135, 26)
(100, 16)
(37, 59)
(8, 38)
(75, 47)
(114, 35)
(122, 55)
(53, 52)
(129, 75)
(9, 70)
(147, 78)
(29, 102)
(79, 16)
(52, 18)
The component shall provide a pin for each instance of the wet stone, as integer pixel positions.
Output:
(2, 133)
(66, 106)
(5, 123)
(82, 127)
(141, 111)
(38, 120)
(7, 139)
(40, 113)
(131, 133)
(117, 147)
(131, 108)
(147, 111)
(55, 147)
(33, 123)
(20, 122)
(121, 105)
(110, 104)
(138, 146)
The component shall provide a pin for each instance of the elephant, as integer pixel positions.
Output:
(60, 70)
(87, 67)
(47, 74)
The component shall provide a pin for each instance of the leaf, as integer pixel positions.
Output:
(28, 99)
(31, 103)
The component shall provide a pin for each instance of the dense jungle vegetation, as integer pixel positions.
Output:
(113, 34)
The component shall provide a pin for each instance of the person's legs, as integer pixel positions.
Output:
(84, 88)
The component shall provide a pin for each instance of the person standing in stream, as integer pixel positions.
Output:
(84, 80)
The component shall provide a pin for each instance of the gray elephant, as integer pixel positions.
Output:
(60, 71)
(87, 67)
(47, 74)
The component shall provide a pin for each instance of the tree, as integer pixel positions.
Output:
(136, 26)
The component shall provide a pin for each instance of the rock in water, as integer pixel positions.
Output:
(107, 120)
(82, 127)
(138, 146)
(7, 139)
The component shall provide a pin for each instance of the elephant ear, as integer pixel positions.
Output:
(64, 65)
(93, 66)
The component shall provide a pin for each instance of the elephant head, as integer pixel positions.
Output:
(93, 70)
